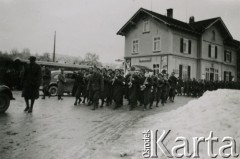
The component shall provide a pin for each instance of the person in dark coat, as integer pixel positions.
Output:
(194, 87)
(75, 84)
(159, 88)
(80, 86)
(173, 85)
(153, 90)
(179, 86)
(32, 78)
(132, 83)
(107, 83)
(84, 91)
(61, 83)
(117, 84)
(139, 92)
(146, 89)
(89, 89)
(96, 85)
(165, 87)
(46, 77)
(110, 76)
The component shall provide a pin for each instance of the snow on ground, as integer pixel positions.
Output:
(217, 111)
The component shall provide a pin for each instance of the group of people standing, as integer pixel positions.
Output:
(97, 87)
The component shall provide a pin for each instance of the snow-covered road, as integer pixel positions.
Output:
(217, 111)
(57, 130)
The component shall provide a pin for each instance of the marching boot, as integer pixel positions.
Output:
(102, 103)
(30, 110)
(157, 103)
(131, 108)
(144, 108)
(116, 106)
(26, 109)
(94, 107)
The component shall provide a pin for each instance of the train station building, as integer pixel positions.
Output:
(198, 49)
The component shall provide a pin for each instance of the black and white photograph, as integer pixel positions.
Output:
(119, 79)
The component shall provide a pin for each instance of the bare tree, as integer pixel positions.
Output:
(25, 53)
(92, 59)
(45, 57)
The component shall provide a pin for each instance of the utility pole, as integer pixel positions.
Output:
(54, 47)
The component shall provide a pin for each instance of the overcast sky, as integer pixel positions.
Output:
(91, 25)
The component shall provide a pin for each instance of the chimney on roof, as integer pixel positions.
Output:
(191, 19)
(170, 13)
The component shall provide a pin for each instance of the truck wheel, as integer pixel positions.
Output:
(4, 102)
(53, 90)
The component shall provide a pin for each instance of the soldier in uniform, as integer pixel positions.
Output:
(153, 90)
(32, 78)
(85, 81)
(179, 86)
(61, 83)
(109, 94)
(145, 87)
(165, 86)
(140, 93)
(194, 87)
(200, 88)
(80, 86)
(117, 84)
(107, 82)
(46, 81)
(173, 85)
(96, 85)
(187, 87)
(75, 84)
(159, 88)
(89, 89)
(132, 83)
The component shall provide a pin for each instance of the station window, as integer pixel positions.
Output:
(156, 44)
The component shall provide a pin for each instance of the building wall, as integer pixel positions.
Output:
(234, 55)
(176, 43)
(148, 62)
(207, 65)
(198, 60)
(175, 61)
(219, 63)
(146, 39)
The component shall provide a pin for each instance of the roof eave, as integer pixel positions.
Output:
(220, 19)
(120, 32)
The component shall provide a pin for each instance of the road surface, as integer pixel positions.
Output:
(57, 130)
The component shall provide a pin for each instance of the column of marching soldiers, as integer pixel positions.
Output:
(96, 87)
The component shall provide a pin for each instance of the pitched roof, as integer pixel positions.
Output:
(171, 21)
(159, 17)
(200, 26)
(197, 27)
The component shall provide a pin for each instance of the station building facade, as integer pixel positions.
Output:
(202, 49)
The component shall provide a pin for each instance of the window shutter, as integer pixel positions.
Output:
(224, 75)
(225, 55)
(189, 47)
(189, 71)
(230, 56)
(209, 50)
(216, 52)
(181, 45)
(180, 71)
